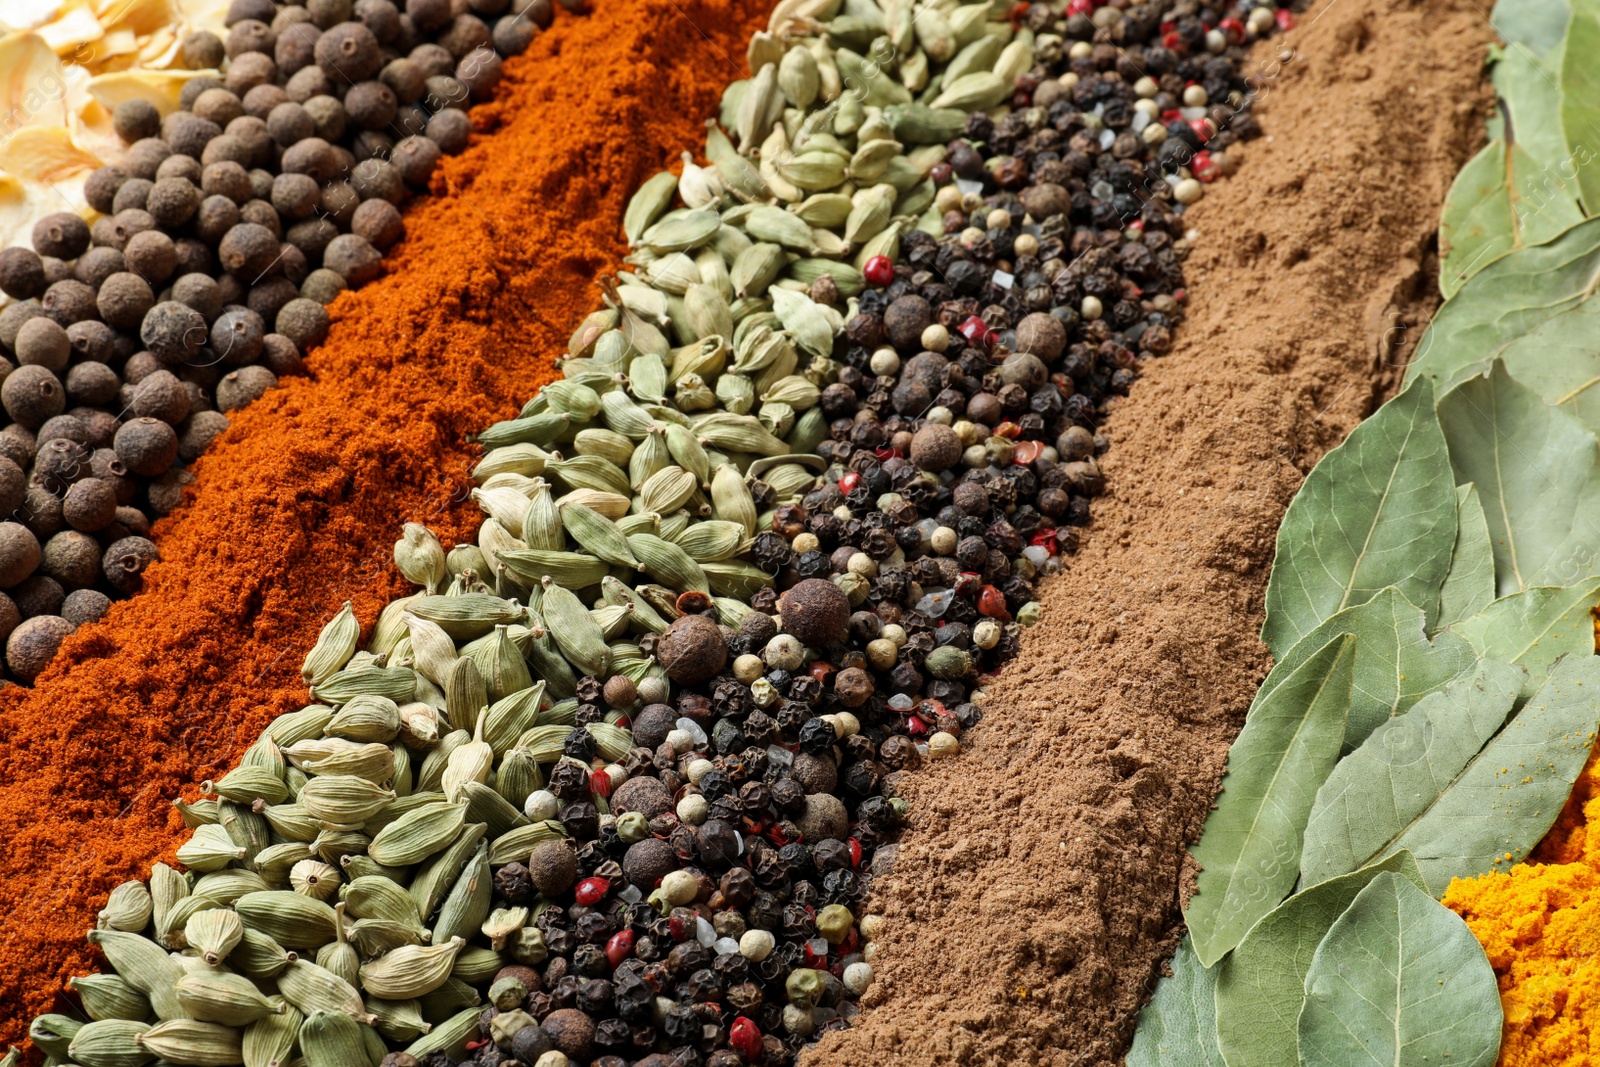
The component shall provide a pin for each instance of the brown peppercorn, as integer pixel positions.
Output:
(201, 50)
(692, 650)
(69, 301)
(152, 255)
(354, 258)
(125, 561)
(90, 505)
(172, 202)
(135, 193)
(72, 559)
(161, 396)
(41, 513)
(816, 612)
(817, 774)
(370, 105)
(43, 342)
(21, 273)
(512, 35)
(13, 486)
(936, 447)
(553, 867)
(379, 223)
(173, 332)
(32, 395)
(647, 796)
(33, 644)
(905, 319)
(260, 100)
(280, 356)
(81, 607)
(349, 53)
(39, 595)
(165, 492)
(572, 1031)
(480, 70)
(197, 433)
(853, 686)
(143, 158)
(1043, 335)
(248, 250)
(19, 553)
(100, 187)
(648, 861)
(824, 817)
(295, 196)
(62, 235)
(124, 300)
(10, 616)
(450, 129)
(1045, 200)
(240, 387)
(415, 158)
(146, 446)
(312, 155)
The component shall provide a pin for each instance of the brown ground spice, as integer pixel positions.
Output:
(1037, 891)
(298, 507)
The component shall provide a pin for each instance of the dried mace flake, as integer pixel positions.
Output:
(693, 649)
(816, 612)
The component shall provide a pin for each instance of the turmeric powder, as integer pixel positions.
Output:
(1540, 926)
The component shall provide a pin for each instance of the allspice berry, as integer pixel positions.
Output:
(1043, 335)
(240, 387)
(824, 817)
(19, 553)
(816, 612)
(90, 505)
(124, 562)
(553, 867)
(72, 559)
(647, 862)
(63, 235)
(9, 616)
(146, 446)
(33, 644)
(32, 395)
(81, 607)
(21, 273)
(647, 796)
(936, 448)
(572, 1031)
(1045, 200)
(651, 727)
(44, 343)
(692, 649)
(174, 332)
(13, 486)
(905, 319)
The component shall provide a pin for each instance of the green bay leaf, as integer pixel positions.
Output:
(1538, 24)
(1536, 468)
(1178, 1028)
(1249, 852)
(1399, 980)
(1579, 79)
(1506, 300)
(1261, 985)
(1530, 95)
(1396, 663)
(1469, 587)
(1501, 200)
(1535, 628)
(1373, 513)
(1499, 806)
(1381, 788)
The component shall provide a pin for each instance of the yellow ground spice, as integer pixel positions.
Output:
(1540, 926)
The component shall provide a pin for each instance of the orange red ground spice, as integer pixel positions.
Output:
(298, 507)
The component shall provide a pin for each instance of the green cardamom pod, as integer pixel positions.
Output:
(415, 836)
(467, 904)
(228, 999)
(110, 996)
(128, 907)
(420, 557)
(335, 644)
(410, 971)
(292, 920)
(110, 1043)
(269, 1040)
(314, 990)
(647, 204)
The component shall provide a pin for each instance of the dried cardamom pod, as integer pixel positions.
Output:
(314, 990)
(145, 966)
(128, 907)
(214, 934)
(339, 957)
(410, 971)
(292, 920)
(575, 633)
(416, 835)
(653, 198)
(344, 799)
(210, 849)
(466, 905)
(110, 996)
(420, 557)
(228, 999)
(113, 1042)
(269, 1040)
(335, 644)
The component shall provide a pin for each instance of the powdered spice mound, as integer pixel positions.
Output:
(1037, 891)
(1538, 923)
(298, 506)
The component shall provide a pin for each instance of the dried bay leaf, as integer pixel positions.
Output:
(1501, 201)
(1504, 302)
(1377, 790)
(1536, 468)
(1469, 587)
(1261, 985)
(1396, 663)
(1399, 980)
(1374, 512)
(1491, 813)
(1178, 1028)
(1250, 850)
(1535, 628)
